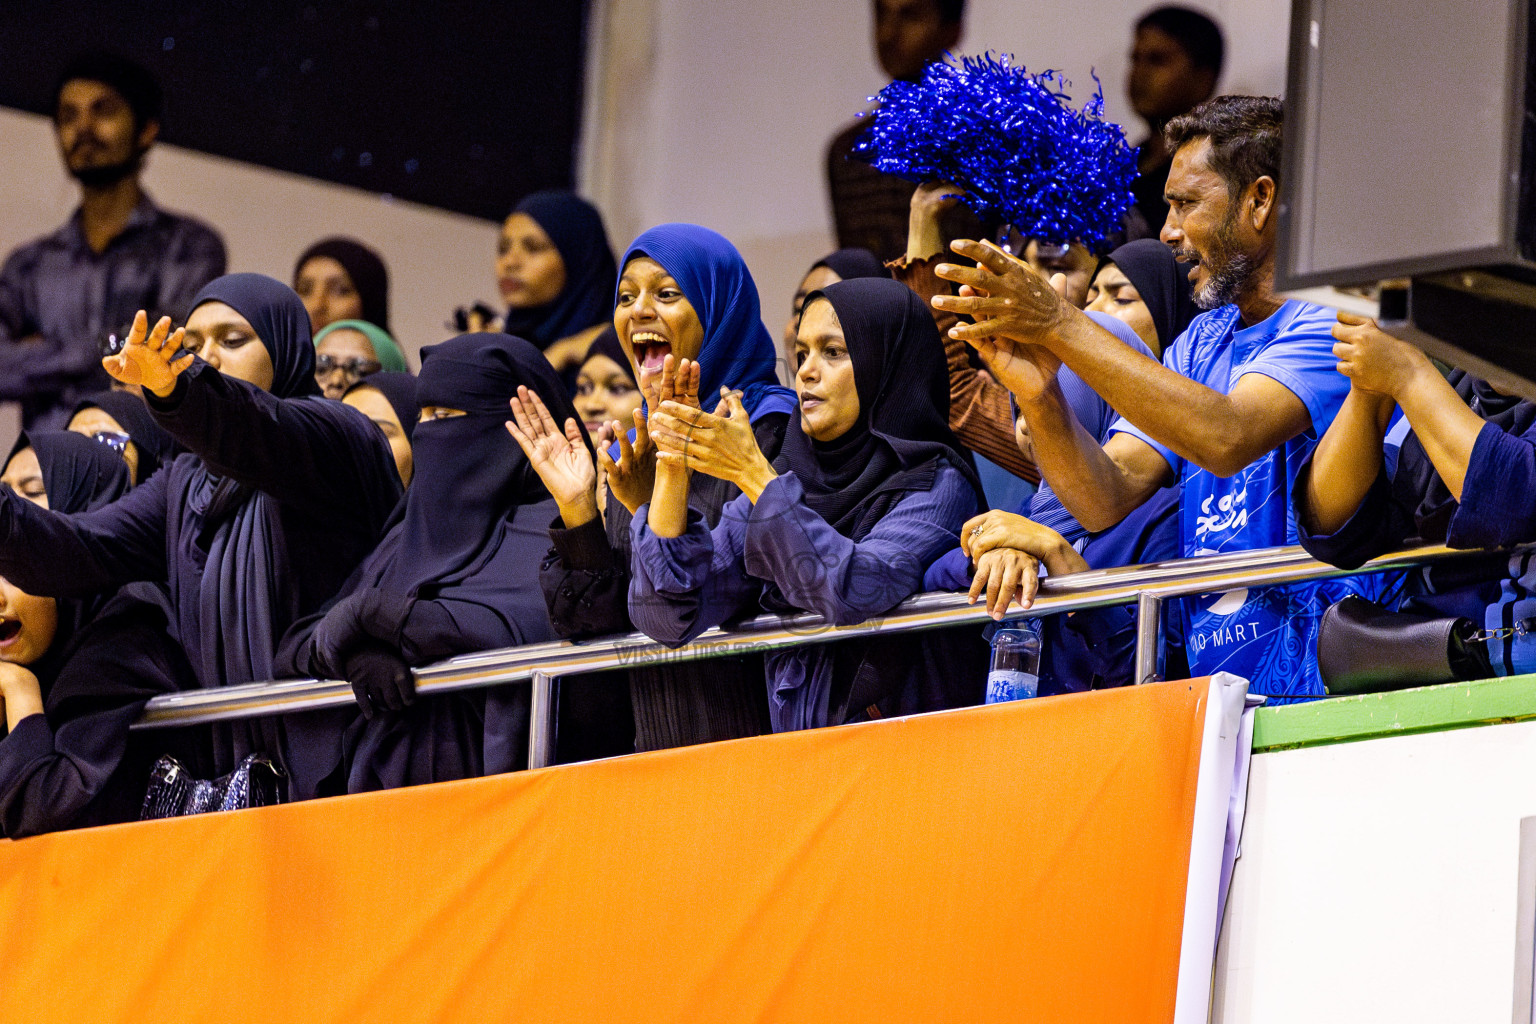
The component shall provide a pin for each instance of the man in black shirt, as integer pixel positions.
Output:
(117, 254)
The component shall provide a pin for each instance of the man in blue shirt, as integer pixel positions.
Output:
(1239, 401)
(119, 253)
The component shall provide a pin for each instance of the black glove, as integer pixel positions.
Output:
(380, 679)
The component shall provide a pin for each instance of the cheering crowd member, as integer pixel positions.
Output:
(76, 673)
(456, 572)
(869, 488)
(684, 293)
(1236, 406)
(280, 498)
(121, 420)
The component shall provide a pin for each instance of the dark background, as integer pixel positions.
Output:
(464, 106)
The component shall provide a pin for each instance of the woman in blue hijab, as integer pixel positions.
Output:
(685, 293)
(280, 496)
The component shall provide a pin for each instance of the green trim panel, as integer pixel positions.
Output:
(1377, 715)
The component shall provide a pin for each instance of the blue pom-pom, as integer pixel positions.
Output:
(1013, 141)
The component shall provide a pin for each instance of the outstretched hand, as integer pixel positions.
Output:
(150, 358)
(561, 459)
(1006, 297)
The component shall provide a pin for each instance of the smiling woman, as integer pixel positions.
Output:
(685, 293)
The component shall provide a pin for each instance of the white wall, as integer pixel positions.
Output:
(721, 114)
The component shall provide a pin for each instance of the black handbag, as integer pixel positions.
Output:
(173, 792)
(1365, 648)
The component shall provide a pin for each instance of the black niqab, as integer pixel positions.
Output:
(902, 433)
(79, 474)
(470, 475)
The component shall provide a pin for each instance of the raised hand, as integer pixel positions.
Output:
(150, 358)
(1006, 296)
(633, 477)
(560, 458)
(719, 444)
(676, 381)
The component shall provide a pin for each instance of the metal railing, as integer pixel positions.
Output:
(542, 665)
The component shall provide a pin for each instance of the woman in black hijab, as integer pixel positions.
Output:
(122, 420)
(1142, 284)
(556, 272)
(281, 496)
(342, 279)
(457, 572)
(870, 487)
(72, 473)
(389, 400)
(74, 674)
(842, 265)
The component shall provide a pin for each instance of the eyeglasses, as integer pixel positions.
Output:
(356, 368)
(113, 439)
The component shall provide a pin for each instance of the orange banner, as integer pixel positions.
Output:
(1019, 863)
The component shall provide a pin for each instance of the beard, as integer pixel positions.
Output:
(1228, 268)
(106, 175)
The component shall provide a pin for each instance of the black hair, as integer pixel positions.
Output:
(1244, 133)
(1199, 36)
(132, 81)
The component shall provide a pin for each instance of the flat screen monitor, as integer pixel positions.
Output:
(1403, 138)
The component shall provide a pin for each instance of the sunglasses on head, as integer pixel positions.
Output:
(113, 439)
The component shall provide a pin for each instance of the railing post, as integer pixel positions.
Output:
(541, 719)
(1149, 638)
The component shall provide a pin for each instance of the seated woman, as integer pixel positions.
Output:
(842, 265)
(342, 279)
(121, 420)
(1464, 477)
(389, 400)
(346, 351)
(685, 294)
(74, 674)
(870, 487)
(456, 573)
(606, 388)
(279, 499)
(556, 272)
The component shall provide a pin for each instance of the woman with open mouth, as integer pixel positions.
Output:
(281, 496)
(869, 488)
(75, 673)
(686, 307)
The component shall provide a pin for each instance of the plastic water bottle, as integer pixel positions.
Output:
(1015, 673)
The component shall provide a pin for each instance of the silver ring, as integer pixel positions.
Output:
(977, 531)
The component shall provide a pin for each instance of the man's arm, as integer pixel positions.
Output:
(1099, 485)
(1219, 433)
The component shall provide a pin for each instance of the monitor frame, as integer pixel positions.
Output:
(1299, 135)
